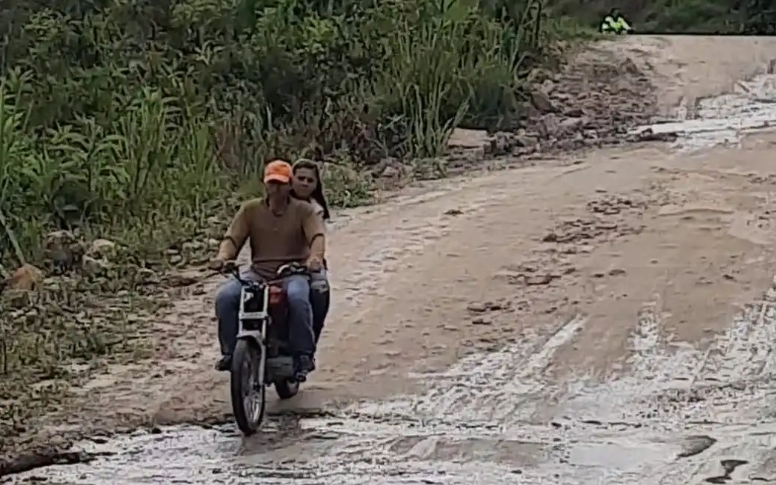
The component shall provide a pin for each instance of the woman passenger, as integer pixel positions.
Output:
(307, 186)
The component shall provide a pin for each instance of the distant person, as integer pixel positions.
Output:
(615, 23)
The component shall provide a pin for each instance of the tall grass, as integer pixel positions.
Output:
(139, 120)
(151, 163)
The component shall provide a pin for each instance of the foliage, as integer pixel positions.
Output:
(138, 119)
(56, 339)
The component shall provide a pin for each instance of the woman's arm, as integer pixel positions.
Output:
(312, 224)
(319, 211)
(317, 207)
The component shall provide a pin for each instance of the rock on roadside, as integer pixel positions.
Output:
(26, 278)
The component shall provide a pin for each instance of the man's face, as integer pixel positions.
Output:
(277, 189)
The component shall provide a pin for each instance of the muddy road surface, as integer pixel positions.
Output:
(605, 318)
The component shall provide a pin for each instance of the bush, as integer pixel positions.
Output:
(139, 119)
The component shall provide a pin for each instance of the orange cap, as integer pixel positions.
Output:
(278, 171)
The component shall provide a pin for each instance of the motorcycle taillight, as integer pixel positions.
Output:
(276, 295)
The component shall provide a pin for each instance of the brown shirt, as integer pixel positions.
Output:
(275, 239)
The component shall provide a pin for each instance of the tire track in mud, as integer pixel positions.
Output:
(426, 219)
(720, 399)
(671, 415)
(725, 119)
(502, 417)
(180, 385)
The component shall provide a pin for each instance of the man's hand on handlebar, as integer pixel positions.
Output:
(222, 266)
(231, 267)
(215, 264)
(314, 263)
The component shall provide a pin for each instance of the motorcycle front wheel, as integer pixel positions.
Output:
(247, 386)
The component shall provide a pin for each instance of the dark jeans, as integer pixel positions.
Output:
(297, 289)
(320, 297)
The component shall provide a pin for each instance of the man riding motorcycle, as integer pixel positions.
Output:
(281, 230)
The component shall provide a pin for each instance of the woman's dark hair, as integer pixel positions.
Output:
(317, 194)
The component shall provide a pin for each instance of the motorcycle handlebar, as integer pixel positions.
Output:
(232, 268)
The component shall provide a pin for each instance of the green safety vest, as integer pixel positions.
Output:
(609, 24)
(618, 26)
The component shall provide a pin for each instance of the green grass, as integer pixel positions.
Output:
(114, 132)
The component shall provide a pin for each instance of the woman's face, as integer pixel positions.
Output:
(304, 182)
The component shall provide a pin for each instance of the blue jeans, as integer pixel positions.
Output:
(300, 313)
(320, 297)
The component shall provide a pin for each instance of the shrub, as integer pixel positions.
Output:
(139, 119)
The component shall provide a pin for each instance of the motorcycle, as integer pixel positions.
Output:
(261, 357)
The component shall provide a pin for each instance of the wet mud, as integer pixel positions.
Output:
(724, 120)
(678, 415)
(670, 411)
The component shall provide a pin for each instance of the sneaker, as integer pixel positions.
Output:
(224, 363)
(304, 365)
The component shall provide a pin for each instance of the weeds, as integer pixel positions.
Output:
(57, 336)
(118, 133)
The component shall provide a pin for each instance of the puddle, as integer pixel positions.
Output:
(724, 120)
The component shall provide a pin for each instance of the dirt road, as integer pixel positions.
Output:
(605, 318)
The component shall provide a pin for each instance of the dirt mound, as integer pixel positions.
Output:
(596, 99)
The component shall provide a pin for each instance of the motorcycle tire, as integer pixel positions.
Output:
(286, 390)
(246, 361)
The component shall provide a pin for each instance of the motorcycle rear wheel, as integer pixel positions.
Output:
(248, 391)
(286, 390)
